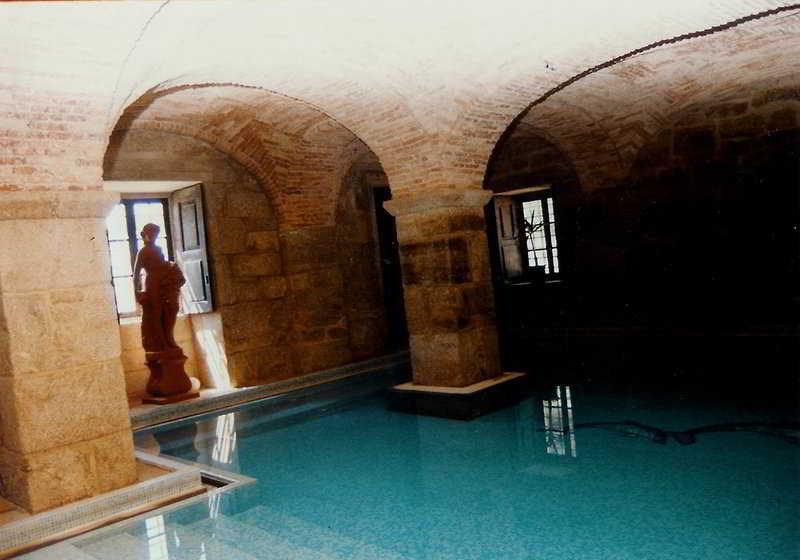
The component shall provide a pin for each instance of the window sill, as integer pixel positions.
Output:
(553, 281)
(137, 319)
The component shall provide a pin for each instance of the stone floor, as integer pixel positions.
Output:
(10, 512)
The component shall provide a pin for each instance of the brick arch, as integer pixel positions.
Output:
(384, 122)
(631, 95)
(265, 175)
(291, 148)
(293, 301)
(578, 136)
(530, 157)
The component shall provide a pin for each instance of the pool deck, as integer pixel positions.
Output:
(146, 415)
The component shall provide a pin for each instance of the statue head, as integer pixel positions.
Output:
(150, 233)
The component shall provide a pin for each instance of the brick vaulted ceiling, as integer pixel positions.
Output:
(297, 153)
(429, 86)
(603, 120)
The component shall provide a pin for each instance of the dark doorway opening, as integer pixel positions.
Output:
(390, 269)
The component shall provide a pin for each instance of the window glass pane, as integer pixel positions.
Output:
(539, 237)
(149, 213)
(162, 242)
(532, 210)
(117, 223)
(120, 258)
(123, 287)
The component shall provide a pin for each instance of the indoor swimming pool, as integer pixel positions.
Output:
(568, 473)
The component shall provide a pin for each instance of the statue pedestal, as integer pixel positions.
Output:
(168, 381)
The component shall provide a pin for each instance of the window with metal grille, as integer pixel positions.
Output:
(526, 234)
(541, 244)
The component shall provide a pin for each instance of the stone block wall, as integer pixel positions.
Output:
(316, 285)
(447, 287)
(250, 289)
(64, 429)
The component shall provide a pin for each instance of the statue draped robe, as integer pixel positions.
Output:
(160, 303)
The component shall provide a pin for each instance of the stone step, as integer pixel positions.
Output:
(59, 551)
(310, 535)
(256, 541)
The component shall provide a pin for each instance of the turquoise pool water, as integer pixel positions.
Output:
(343, 478)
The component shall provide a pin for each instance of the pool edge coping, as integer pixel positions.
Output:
(197, 407)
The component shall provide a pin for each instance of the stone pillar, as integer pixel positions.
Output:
(447, 286)
(64, 427)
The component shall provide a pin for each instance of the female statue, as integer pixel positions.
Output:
(160, 301)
